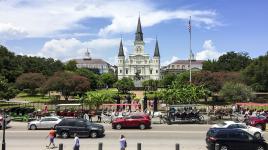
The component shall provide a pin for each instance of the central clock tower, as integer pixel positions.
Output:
(139, 43)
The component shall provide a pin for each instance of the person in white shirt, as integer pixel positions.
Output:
(76, 142)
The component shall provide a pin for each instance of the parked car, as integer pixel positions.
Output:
(82, 127)
(233, 139)
(141, 121)
(234, 125)
(7, 120)
(257, 121)
(44, 123)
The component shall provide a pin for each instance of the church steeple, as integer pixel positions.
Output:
(121, 50)
(156, 50)
(139, 34)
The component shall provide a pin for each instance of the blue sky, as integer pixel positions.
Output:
(65, 29)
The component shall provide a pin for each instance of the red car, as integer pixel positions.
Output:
(258, 121)
(141, 121)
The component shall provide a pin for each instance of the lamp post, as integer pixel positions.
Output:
(4, 131)
(144, 100)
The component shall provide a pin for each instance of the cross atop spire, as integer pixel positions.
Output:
(139, 34)
(121, 50)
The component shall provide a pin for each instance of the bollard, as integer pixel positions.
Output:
(100, 146)
(60, 146)
(177, 146)
(139, 146)
(217, 146)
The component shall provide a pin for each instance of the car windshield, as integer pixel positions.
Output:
(261, 117)
(244, 126)
(221, 124)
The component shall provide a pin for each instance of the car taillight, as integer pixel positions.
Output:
(212, 139)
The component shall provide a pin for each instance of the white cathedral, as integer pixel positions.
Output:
(139, 63)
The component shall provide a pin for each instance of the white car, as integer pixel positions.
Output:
(44, 123)
(231, 125)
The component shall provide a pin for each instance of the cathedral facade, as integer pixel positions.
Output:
(139, 65)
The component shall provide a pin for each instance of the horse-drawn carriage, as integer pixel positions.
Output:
(183, 114)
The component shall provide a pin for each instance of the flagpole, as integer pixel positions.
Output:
(190, 30)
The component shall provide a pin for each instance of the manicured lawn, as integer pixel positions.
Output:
(36, 98)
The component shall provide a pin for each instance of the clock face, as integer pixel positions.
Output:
(138, 48)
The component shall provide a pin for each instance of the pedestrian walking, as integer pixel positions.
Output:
(51, 135)
(123, 142)
(76, 142)
(86, 117)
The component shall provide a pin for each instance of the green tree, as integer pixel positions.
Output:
(214, 81)
(231, 61)
(124, 85)
(210, 65)
(168, 79)
(30, 82)
(180, 93)
(91, 76)
(68, 83)
(236, 92)
(98, 98)
(151, 84)
(70, 65)
(9, 66)
(7, 90)
(256, 74)
(108, 79)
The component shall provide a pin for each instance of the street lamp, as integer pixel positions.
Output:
(144, 100)
(4, 131)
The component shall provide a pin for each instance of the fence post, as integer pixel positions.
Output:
(60, 146)
(177, 146)
(100, 146)
(139, 146)
(217, 146)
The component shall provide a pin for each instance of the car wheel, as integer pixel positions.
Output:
(224, 147)
(260, 147)
(64, 134)
(33, 127)
(93, 134)
(118, 126)
(257, 135)
(142, 126)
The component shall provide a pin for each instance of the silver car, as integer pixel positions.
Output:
(44, 123)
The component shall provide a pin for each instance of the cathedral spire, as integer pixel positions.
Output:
(156, 50)
(121, 50)
(139, 34)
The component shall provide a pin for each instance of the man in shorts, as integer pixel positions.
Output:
(51, 135)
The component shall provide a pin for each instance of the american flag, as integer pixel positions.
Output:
(189, 26)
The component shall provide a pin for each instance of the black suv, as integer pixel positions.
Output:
(82, 127)
(233, 139)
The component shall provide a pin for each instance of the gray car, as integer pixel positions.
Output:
(44, 123)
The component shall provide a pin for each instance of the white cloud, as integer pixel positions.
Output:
(167, 62)
(65, 49)
(9, 31)
(209, 51)
(49, 17)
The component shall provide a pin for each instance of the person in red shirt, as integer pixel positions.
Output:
(51, 135)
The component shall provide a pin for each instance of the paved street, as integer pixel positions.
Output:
(190, 137)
